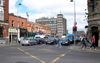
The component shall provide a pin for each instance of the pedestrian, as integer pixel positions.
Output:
(59, 42)
(93, 42)
(83, 41)
(88, 43)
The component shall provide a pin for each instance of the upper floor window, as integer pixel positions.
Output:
(22, 24)
(94, 5)
(12, 23)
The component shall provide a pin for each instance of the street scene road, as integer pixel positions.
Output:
(59, 31)
(47, 54)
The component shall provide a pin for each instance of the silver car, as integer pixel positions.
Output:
(25, 42)
(28, 41)
(2, 41)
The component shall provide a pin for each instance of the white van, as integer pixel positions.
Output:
(41, 36)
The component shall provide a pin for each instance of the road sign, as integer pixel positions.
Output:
(12, 30)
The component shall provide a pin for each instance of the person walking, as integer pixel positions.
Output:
(93, 42)
(59, 43)
(88, 42)
(83, 41)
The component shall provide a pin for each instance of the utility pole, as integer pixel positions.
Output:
(18, 27)
(75, 23)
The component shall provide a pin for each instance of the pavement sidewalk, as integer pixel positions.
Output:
(9, 44)
(78, 48)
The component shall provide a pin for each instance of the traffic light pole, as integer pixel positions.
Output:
(74, 31)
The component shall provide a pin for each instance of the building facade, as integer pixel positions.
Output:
(17, 26)
(61, 25)
(20, 27)
(57, 25)
(4, 17)
(45, 29)
(94, 20)
(51, 22)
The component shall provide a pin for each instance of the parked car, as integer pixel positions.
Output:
(64, 42)
(39, 40)
(2, 41)
(24, 42)
(33, 42)
(28, 42)
(40, 36)
(50, 40)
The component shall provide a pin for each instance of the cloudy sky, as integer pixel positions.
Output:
(50, 8)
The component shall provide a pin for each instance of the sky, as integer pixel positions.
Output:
(50, 8)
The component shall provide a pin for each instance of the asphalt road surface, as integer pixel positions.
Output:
(46, 54)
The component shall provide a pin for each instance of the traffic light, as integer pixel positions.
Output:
(74, 28)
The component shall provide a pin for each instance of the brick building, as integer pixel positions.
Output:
(4, 17)
(20, 27)
(17, 26)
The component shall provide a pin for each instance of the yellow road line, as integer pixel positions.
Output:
(27, 53)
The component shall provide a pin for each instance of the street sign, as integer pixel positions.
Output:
(12, 30)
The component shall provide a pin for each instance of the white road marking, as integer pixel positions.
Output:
(59, 57)
(53, 61)
(56, 59)
(27, 53)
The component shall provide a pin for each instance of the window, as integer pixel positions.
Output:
(94, 5)
(12, 23)
(22, 24)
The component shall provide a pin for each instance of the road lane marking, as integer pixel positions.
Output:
(20, 49)
(27, 53)
(56, 59)
(59, 57)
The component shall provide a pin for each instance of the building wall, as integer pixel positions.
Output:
(19, 24)
(43, 28)
(16, 21)
(51, 22)
(24, 25)
(58, 25)
(61, 25)
(29, 26)
(4, 23)
(94, 19)
(6, 10)
(1, 10)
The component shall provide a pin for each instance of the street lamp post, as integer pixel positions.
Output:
(74, 11)
(75, 23)
(27, 21)
(18, 27)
